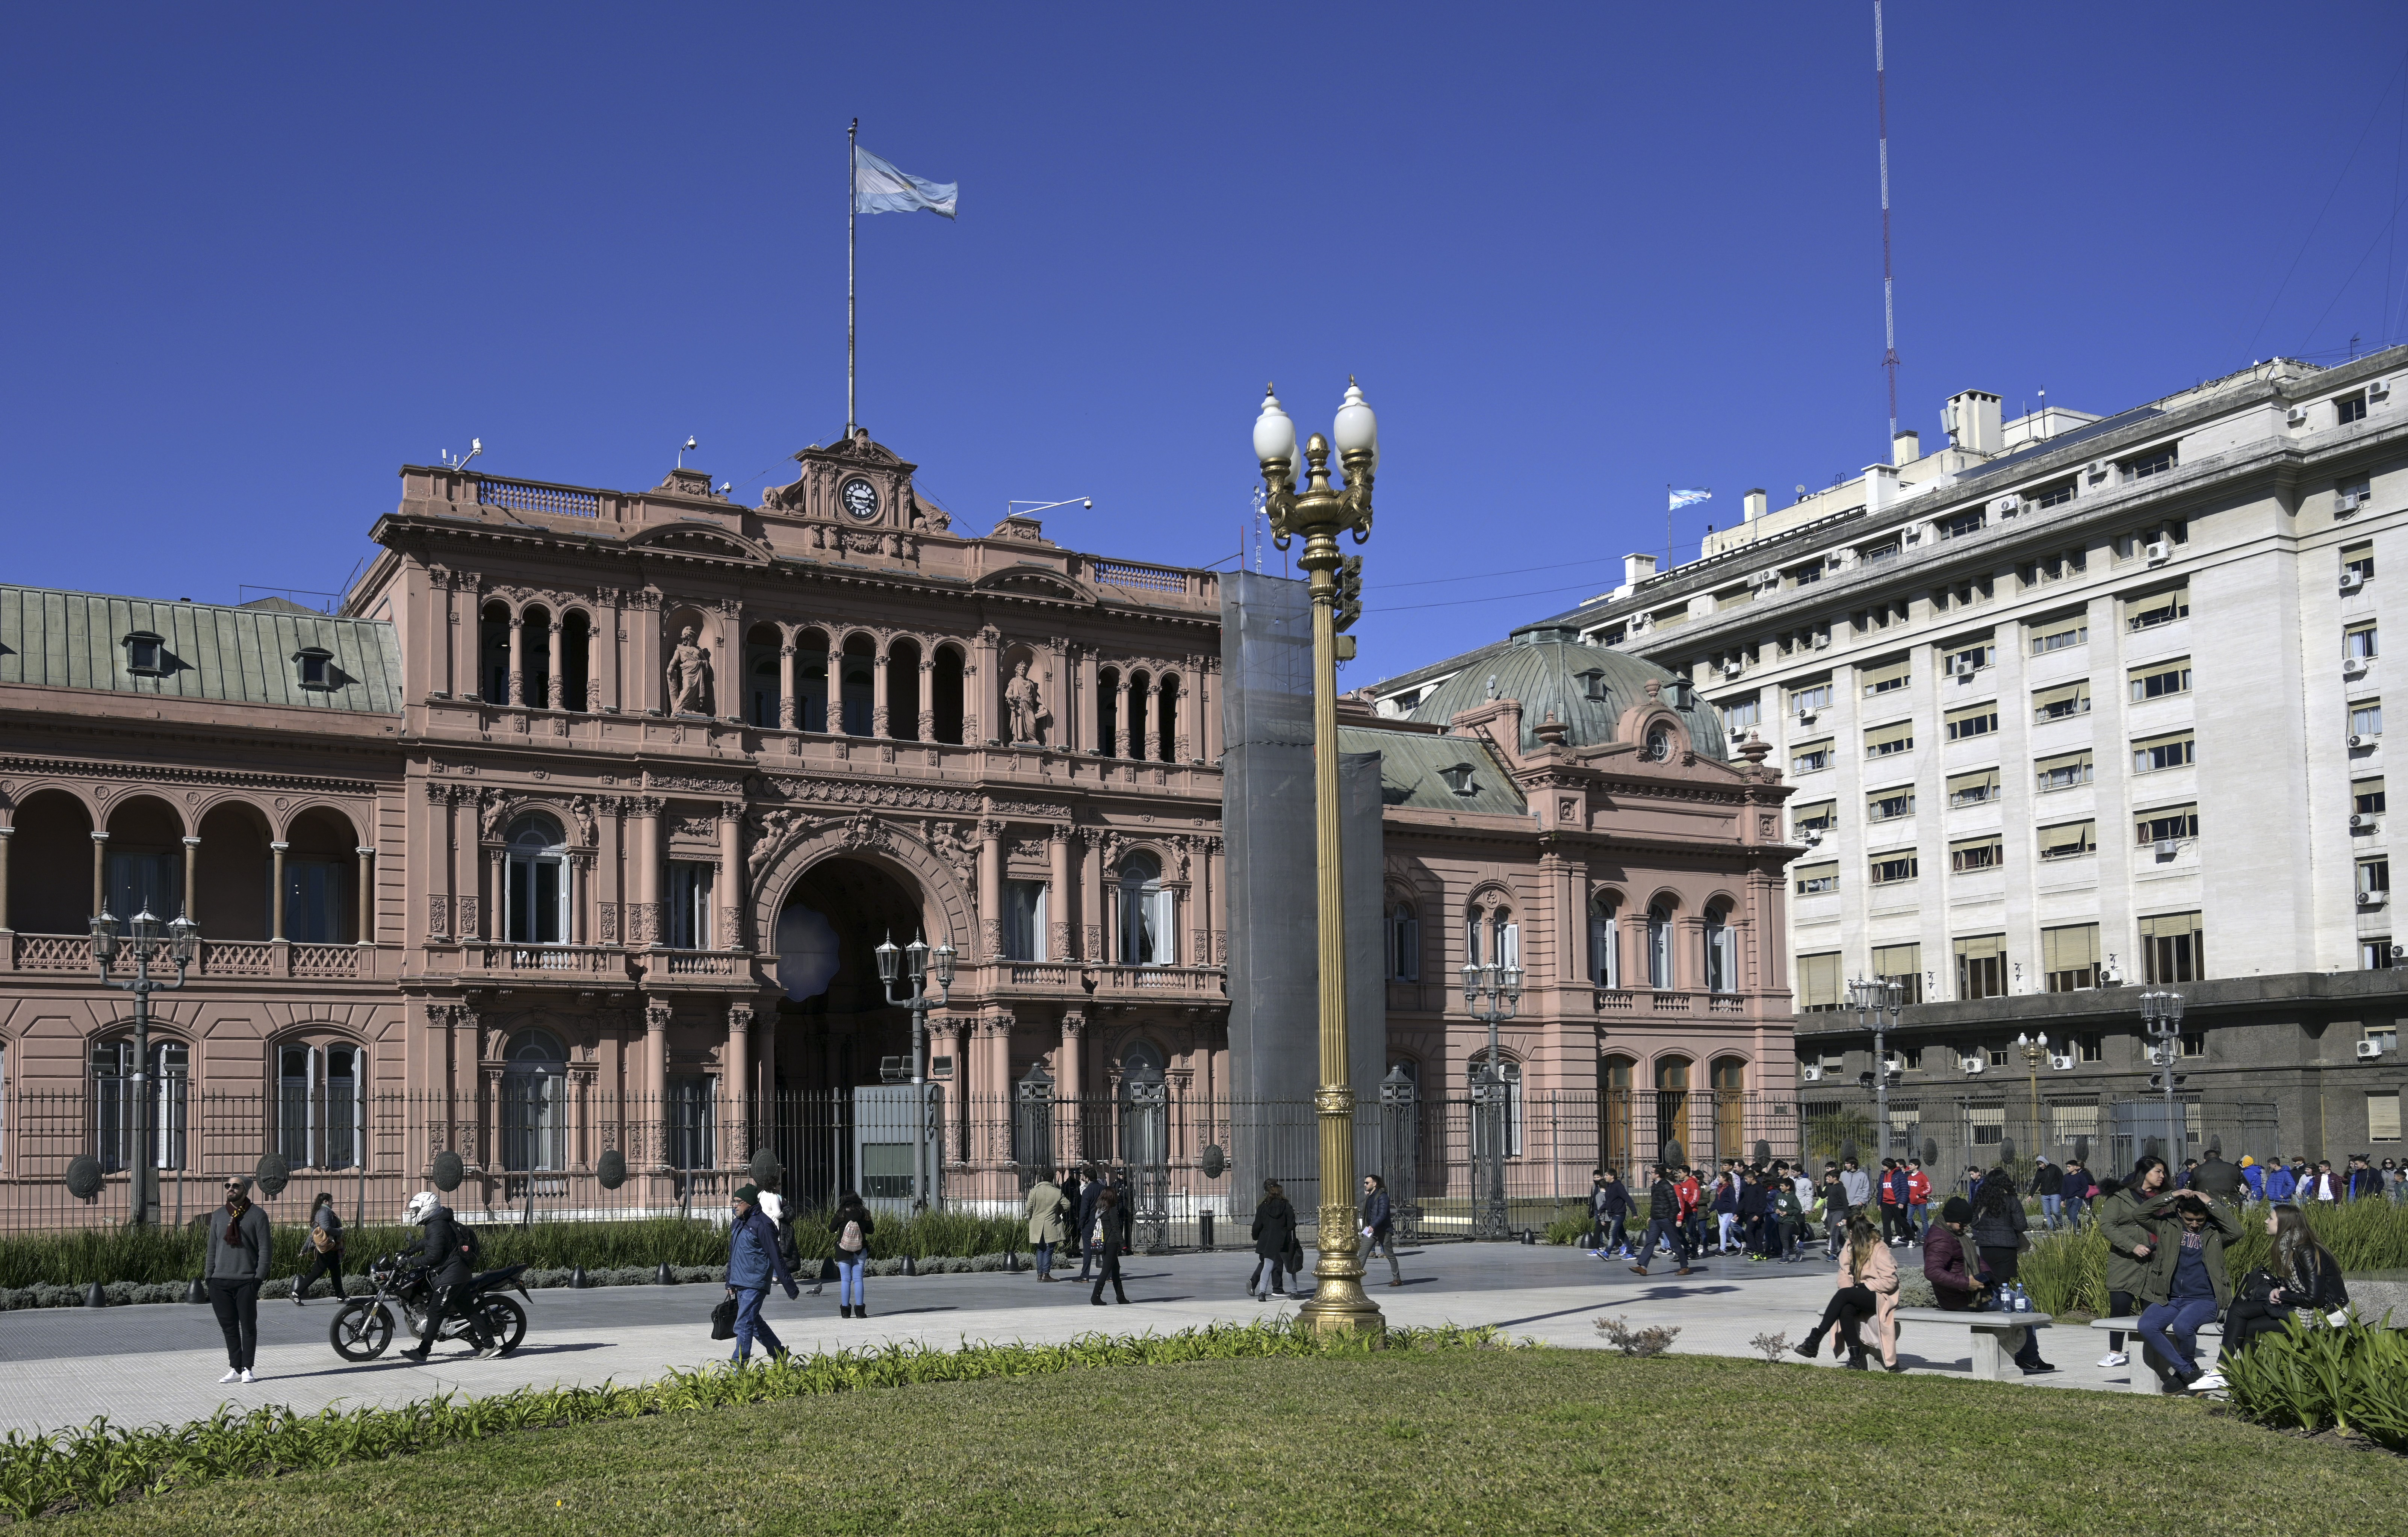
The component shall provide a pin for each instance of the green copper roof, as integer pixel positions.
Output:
(1424, 772)
(50, 638)
(1588, 687)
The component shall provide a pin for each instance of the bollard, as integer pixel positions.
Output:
(577, 1279)
(197, 1291)
(1204, 1230)
(662, 1277)
(908, 1268)
(93, 1297)
(1012, 1261)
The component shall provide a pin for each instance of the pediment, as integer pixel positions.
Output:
(1034, 580)
(704, 540)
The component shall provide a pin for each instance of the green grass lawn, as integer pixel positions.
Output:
(1453, 1441)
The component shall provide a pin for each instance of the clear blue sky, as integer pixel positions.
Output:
(259, 258)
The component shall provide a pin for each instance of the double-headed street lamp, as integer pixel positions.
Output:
(1876, 1001)
(2035, 1047)
(913, 960)
(2162, 1016)
(1318, 514)
(146, 940)
(1491, 993)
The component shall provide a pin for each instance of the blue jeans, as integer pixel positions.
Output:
(750, 1326)
(1044, 1258)
(2048, 1208)
(849, 1273)
(2074, 1207)
(2183, 1316)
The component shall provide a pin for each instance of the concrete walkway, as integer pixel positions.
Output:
(160, 1363)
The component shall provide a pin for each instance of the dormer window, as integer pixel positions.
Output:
(1592, 685)
(146, 654)
(316, 667)
(1458, 778)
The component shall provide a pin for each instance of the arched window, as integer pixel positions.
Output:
(533, 1103)
(117, 1119)
(320, 1109)
(1613, 1083)
(1511, 1072)
(1495, 937)
(1730, 1107)
(1659, 947)
(576, 660)
(1108, 713)
(535, 882)
(1604, 941)
(812, 680)
(1145, 1120)
(1166, 713)
(945, 691)
(903, 690)
(1149, 927)
(535, 658)
(1722, 952)
(1672, 1106)
(1404, 942)
(857, 686)
(763, 696)
(493, 653)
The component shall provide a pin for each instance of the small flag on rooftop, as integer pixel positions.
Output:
(1683, 498)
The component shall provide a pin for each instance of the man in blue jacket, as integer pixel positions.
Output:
(752, 1259)
(2281, 1183)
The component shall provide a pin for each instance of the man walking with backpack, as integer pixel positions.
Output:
(1663, 1216)
(449, 1247)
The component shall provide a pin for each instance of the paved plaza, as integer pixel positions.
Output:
(145, 1364)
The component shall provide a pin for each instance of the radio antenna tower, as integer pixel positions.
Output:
(1889, 314)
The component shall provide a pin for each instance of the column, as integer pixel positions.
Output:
(643, 917)
(1208, 709)
(468, 913)
(1217, 861)
(1079, 731)
(786, 719)
(6, 834)
(439, 663)
(990, 890)
(276, 890)
(464, 1082)
(730, 894)
(1065, 1084)
(1091, 894)
(1200, 902)
(1191, 678)
(552, 681)
(1058, 906)
(191, 860)
(1124, 706)
(516, 627)
(972, 1075)
(956, 1032)
(656, 1081)
(367, 910)
(602, 656)
(996, 1088)
(100, 876)
(982, 692)
(878, 695)
(610, 886)
(737, 1085)
(928, 692)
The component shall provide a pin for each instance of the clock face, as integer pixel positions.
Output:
(860, 498)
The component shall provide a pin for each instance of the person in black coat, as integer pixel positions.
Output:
(2306, 1278)
(1089, 1193)
(1378, 1227)
(447, 1274)
(1663, 1217)
(1111, 1235)
(1274, 1234)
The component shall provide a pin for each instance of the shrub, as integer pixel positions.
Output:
(2067, 1272)
(1637, 1342)
(2353, 1378)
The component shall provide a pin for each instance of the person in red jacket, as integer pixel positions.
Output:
(1692, 1196)
(1918, 1198)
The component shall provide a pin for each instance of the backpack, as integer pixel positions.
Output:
(472, 1248)
(850, 1240)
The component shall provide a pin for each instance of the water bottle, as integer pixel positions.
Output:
(2023, 1299)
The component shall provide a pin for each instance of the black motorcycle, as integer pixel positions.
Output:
(363, 1327)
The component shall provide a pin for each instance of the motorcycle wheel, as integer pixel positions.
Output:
(506, 1322)
(361, 1329)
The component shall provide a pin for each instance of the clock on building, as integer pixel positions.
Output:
(860, 498)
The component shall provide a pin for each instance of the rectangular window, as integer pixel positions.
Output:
(1815, 879)
(2366, 796)
(2160, 680)
(314, 896)
(2071, 1120)
(1972, 853)
(689, 904)
(2173, 948)
(2090, 1047)
(692, 1110)
(1893, 868)
(2357, 560)
(2148, 613)
(1902, 964)
(1871, 553)
(1806, 575)
(2152, 753)
(2068, 840)
(1818, 982)
(2059, 634)
(1888, 677)
(1973, 721)
(1819, 817)
(1960, 659)
(2061, 703)
(1741, 715)
(2158, 461)
(2374, 876)
(1811, 697)
(152, 882)
(1024, 920)
(1890, 804)
(2359, 642)
(2165, 823)
(2070, 957)
(2366, 718)
(2193, 1042)
(2350, 408)
(2065, 772)
(2375, 953)
(2382, 1105)
(2054, 495)
(1978, 788)
(1989, 1122)
(1808, 757)
(1884, 741)
(1981, 967)
(1961, 524)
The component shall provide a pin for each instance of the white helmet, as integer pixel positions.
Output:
(420, 1206)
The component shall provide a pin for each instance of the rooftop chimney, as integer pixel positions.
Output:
(1971, 418)
(1881, 486)
(1637, 569)
(1906, 448)
(1754, 502)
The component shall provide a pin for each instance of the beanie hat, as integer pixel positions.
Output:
(749, 1194)
(1958, 1210)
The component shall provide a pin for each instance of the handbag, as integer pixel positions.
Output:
(2257, 1286)
(722, 1319)
(322, 1241)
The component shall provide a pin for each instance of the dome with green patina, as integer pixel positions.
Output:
(1547, 668)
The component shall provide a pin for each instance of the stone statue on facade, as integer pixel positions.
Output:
(1028, 714)
(689, 676)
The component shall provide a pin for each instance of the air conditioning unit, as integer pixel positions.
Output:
(2369, 1050)
(2007, 506)
(1805, 716)
(2361, 822)
(2399, 952)
(2157, 549)
(2353, 667)
(1973, 1064)
(2095, 468)
(2062, 1064)
(2377, 388)
(1822, 640)
(2351, 582)
(2297, 416)
(1811, 837)
(1811, 1075)
(2346, 502)
(2373, 898)
(2167, 847)
(1730, 669)
(1965, 666)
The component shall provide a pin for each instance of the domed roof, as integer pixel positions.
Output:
(1588, 687)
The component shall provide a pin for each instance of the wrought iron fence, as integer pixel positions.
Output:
(1959, 1130)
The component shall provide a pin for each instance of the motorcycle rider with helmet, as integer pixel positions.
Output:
(447, 1276)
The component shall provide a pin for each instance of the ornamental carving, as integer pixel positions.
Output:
(862, 831)
(695, 827)
(914, 798)
(688, 782)
(582, 809)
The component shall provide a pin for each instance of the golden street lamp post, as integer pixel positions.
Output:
(1319, 513)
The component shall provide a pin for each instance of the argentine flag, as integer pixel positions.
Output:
(1683, 498)
(878, 187)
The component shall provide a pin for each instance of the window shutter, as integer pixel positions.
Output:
(2067, 699)
(1971, 789)
(2069, 949)
(1818, 981)
(2382, 1115)
(1887, 676)
(1890, 739)
(2069, 840)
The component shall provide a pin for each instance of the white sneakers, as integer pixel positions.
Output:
(232, 1375)
(2114, 1358)
(2211, 1383)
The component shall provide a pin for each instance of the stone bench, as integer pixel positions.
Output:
(1989, 1336)
(2146, 1379)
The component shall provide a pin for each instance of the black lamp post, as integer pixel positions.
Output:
(1491, 994)
(146, 940)
(912, 963)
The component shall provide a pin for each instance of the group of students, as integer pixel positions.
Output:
(1762, 1212)
(2361, 1178)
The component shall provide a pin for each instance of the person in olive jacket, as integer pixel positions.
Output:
(2131, 1239)
(1048, 1223)
(237, 1266)
(2186, 1286)
(1274, 1232)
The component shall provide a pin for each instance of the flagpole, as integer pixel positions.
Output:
(852, 206)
